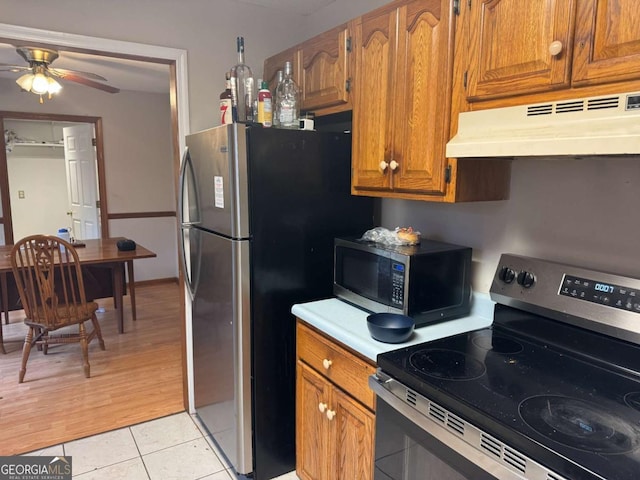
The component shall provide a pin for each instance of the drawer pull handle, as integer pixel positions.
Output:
(322, 407)
(331, 414)
(326, 363)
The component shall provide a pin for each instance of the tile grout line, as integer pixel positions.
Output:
(213, 450)
(144, 465)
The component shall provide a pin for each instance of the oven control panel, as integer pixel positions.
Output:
(600, 292)
(591, 299)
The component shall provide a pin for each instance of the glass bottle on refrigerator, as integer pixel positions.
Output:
(279, 78)
(242, 87)
(288, 100)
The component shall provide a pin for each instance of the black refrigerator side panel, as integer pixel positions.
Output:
(300, 200)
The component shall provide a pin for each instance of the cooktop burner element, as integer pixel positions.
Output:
(633, 400)
(447, 364)
(579, 424)
(498, 344)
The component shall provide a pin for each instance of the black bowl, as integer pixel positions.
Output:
(390, 327)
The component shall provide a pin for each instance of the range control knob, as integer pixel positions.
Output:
(526, 279)
(507, 275)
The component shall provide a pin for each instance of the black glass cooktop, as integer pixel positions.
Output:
(565, 397)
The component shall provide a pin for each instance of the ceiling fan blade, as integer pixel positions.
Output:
(62, 72)
(89, 83)
(6, 67)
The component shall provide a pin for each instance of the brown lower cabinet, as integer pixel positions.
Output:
(334, 410)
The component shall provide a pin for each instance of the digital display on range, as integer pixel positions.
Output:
(615, 296)
(603, 287)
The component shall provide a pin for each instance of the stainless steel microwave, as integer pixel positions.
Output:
(429, 282)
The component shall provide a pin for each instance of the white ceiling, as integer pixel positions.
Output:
(136, 75)
(302, 7)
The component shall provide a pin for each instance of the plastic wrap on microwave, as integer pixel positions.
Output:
(399, 236)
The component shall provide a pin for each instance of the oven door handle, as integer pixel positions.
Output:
(384, 388)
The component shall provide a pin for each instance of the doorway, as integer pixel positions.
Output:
(175, 59)
(53, 185)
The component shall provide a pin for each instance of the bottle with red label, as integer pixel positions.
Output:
(226, 105)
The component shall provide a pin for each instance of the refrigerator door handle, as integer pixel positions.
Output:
(182, 182)
(187, 176)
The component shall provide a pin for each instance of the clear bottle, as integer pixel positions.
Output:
(288, 100)
(265, 105)
(279, 78)
(242, 88)
(226, 104)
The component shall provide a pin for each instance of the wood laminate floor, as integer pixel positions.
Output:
(137, 378)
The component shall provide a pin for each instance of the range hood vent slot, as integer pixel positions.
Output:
(546, 109)
(606, 125)
(608, 102)
(565, 107)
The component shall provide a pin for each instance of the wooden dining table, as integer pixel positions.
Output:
(101, 252)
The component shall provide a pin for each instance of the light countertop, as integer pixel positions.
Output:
(348, 324)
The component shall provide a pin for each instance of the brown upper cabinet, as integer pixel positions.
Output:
(322, 70)
(402, 98)
(607, 42)
(400, 73)
(518, 47)
(326, 70)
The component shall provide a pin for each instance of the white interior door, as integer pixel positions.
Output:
(80, 160)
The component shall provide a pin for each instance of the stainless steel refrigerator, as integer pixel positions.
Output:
(260, 208)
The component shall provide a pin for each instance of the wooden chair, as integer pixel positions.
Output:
(49, 279)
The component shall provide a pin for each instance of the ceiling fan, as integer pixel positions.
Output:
(40, 60)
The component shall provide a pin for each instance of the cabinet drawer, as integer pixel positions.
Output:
(343, 368)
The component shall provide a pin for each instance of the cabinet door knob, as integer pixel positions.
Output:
(393, 165)
(322, 407)
(555, 48)
(383, 166)
(331, 414)
(326, 363)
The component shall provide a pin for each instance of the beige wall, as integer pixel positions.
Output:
(576, 211)
(138, 161)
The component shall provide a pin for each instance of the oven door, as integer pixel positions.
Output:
(411, 446)
(404, 451)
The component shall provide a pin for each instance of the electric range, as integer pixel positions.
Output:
(551, 391)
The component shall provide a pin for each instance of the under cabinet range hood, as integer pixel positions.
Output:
(604, 125)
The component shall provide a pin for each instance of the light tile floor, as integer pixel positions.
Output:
(170, 448)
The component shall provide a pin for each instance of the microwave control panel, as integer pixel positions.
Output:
(397, 284)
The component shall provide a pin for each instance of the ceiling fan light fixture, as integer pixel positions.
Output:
(40, 83)
(53, 87)
(26, 81)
